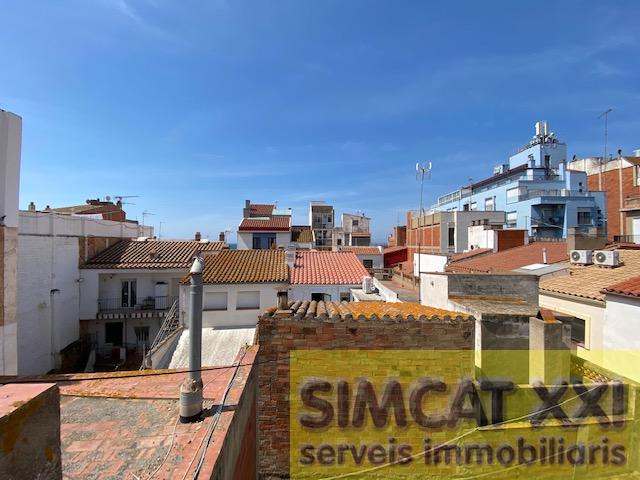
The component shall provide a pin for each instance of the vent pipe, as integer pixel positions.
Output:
(191, 388)
(544, 256)
(197, 237)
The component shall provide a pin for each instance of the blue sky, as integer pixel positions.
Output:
(195, 106)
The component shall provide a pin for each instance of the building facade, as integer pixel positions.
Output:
(322, 220)
(536, 191)
(620, 178)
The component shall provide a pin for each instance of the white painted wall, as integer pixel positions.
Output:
(50, 223)
(10, 152)
(97, 327)
(429, 263)
(232, 317)
(303, 292)
(620, 333)
(434, 291)
(46, 264)
(481, 237)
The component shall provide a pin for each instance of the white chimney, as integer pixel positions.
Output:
(10, 150)
(290, 253)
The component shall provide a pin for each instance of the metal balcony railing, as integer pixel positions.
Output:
(626, 238)
(118, 305)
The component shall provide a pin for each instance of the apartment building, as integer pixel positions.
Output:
(322, 220)
(264, 227)
(536, 191)
(619, 177)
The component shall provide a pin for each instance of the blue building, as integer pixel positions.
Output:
(536, 190)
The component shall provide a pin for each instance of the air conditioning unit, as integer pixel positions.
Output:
(581, 257)
(606, 258)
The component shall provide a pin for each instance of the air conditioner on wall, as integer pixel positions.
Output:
(581, 257)
(607, 258)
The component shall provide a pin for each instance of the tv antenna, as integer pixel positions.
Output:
(146, 214)
(604, 114)
(120, 198)
(160, 229)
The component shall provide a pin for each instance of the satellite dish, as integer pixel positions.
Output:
(417, 168)
(108, 198)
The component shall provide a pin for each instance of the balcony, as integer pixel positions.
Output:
(627, 239)
(147, 307)
(632, 202)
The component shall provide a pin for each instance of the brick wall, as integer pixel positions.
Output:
(278, 336)
(611, 184)
(91, 246)
(510, 238)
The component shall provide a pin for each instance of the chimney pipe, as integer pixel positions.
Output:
(544, 256)
(32, 207)
(198, 236)
(221, 237)
(191, 388)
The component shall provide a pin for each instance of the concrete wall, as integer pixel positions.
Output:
(10, 153)
(160, 356)
(620, 333)
(232, 317)
(49, 223)
(30, 431)
(303, 292)
(436, 289)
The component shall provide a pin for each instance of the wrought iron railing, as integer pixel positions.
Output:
(118, 305)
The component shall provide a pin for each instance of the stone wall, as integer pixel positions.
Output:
(278, 336)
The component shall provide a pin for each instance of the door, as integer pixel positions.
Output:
(113, 333)
(128, 293)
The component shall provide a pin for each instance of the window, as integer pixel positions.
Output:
(142, 335)
(248, 300)
(320, 297)
(577, 330)
(215, 301)
(488, 204)
(474, 206)
(512, 195)
(452, 236)
(584, 217)
(512, 219)
(329, 219)
(128, 293)
(263, 241)
(354, 223)
(113, 333)
(345, 297)
(367, 263)
(636, 175)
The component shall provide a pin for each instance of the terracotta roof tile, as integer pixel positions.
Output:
(590, 281)
(362, 250)
(281, 223)
(245, 266)
(327, 268)
(260, 210)
(629, 287)
(366, 310)
(512, 258)
(129, 254)
(394, 249)
(456, 257)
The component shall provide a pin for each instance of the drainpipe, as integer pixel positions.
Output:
(52, 326)
(191, 388)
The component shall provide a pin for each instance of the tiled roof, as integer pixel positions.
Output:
(327, 268)
(362, 250)
(301, 234)
(366, 311)
(271, 224)
(456, 257)
(394, 249)
(629, 287)
(512, 258)
(260, 210)
(589, 281)
(245, 266)
(128, 254)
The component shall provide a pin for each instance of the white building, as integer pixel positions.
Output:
(584, 295)
(356, 230)
(238, 286)
(263, 233)
(327, 276)
(127, 289)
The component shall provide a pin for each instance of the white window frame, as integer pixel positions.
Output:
(246, 300)
(212, 301)
(513, 194)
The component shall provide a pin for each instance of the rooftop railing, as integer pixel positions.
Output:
(118, 305)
